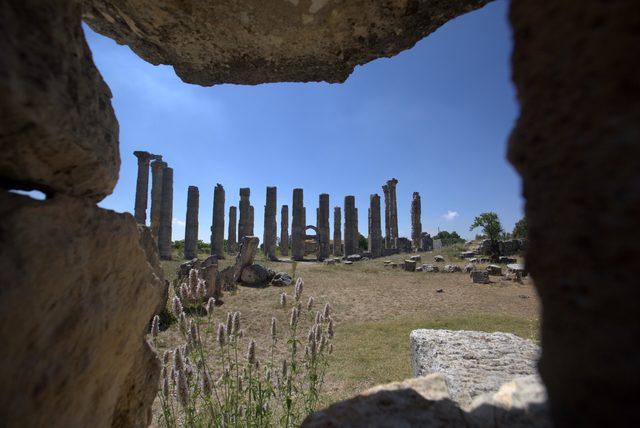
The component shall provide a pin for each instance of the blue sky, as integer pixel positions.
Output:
(437, 117)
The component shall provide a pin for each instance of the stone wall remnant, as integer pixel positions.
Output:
(157, 169)
(232, 245)
(270, 234)
(246, 254)
(142, 185)
(297, 225)
(337, 231)
(284, 230)
(191, 223)
(324, 247)
(217, 222)
(375, 227)
(165, 243)
(416, 223)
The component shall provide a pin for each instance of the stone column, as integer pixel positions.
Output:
(270, 233)
(231, 236)
(165, 246)
(157, 168)
(350, 231)
(142, 185)
(387, 222)
(251, 220)
(393, 212)
(244, 208)
(284, 230)
(217, 223)
(297, 225)
(191, 227)
(375, 227)
(337, 231)
(416, 224)
(324, 248)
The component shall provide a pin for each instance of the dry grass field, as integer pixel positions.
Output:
(375, 308)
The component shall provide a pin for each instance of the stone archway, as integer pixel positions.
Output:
(575, 65)
(311, 242)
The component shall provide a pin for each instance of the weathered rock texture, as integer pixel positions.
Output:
(274, 41)
(74, 322)
(284, 230)
(191, 226)
(157, 170)
(426, 402)
(324, 246)
(244, 207)
(350, 226)
(165, 247)
(246, 254)
(375, 226)
(142, 185)
(297, 225)
(251, 220)
(217, 222)
(270, 233)
(416, 223)
(390, 213)
(58, 132)
(232, 243)
(337, 231)
(472, 362)
(578, 157)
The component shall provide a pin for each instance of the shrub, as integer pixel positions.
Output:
(209, 382)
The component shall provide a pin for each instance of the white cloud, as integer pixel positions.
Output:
(450, 215)
(179, 222)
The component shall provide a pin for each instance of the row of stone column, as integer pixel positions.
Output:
(161, 199)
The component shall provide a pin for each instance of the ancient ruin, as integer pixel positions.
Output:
(217, 222)
(576, 155)
(324, 247)
(337, 231)
(165, 243)
(375, 227)
(245, 221)
(297, 225)
(157, 169)
(350, 226)
(284, 230)
(231, 234)
(416, 222)
(142, 185)
(191, 223)
(390, 213)
(270, 226)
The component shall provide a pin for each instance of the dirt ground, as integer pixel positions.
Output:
(375, 308)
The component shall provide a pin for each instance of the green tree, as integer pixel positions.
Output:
(520, 229)
(490, 225)
(363, 242)
(448, 238)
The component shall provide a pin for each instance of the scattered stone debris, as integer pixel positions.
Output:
(409, 265)
(438, 259)
(416, 258)
(494, 270)
(354, 257)
(517, 268)
(256, 275)
(479, 276)
(348, 262)
(281, 279)
(439, 290)
(467, 254)
(394, 265)
(505, 260)
(430, 268)
(468, 268)
(419, 269)
(330, 262)
(474, 260)
(452, 268)
(523, 296)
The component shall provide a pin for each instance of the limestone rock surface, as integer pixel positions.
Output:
(472, 362)
(80, 268)
(259, 41)
(59, 133)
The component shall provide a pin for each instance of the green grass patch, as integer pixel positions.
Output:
(367, 354)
